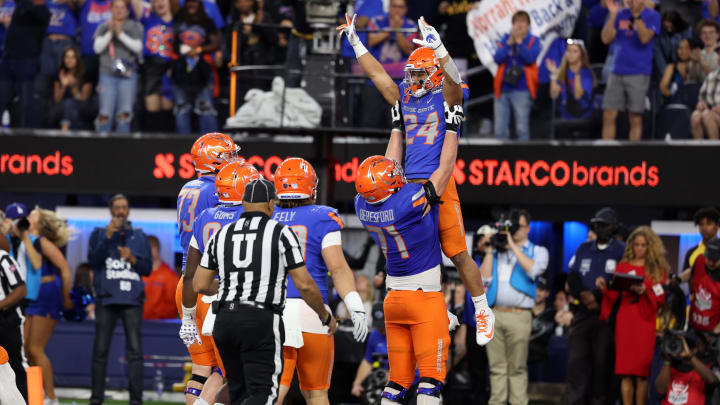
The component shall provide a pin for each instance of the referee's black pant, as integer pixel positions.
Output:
(11, 338)
(250, 342)
(590, 362)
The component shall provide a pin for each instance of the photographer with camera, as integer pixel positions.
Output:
(516, 80)
(119, 255)
(684, 376)
(590, 339)
(511, 265)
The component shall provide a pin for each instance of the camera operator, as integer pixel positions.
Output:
(590, 339)
(705, 288)
(119, 255)
(684, 376)
(24, 247)
(512, 263)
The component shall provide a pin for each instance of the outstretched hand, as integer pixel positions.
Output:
(430, 38)
(349, 30)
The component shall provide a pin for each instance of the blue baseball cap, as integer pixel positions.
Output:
(16, 210)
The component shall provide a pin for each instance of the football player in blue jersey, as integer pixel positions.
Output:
(307, 345)
(210, 153)
(230, 185)
(417, 321)
(432, 89)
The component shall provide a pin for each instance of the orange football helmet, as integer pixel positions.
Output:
(423, 60)
(231, 180)
(295, 179)
(212, 151)
(378, 178)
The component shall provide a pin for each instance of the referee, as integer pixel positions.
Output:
(12, 291)
(252, 257)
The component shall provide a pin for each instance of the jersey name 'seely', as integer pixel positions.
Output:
(311, 224)
(195, 196)
(210, 221)
(409, 241)
(425, 130)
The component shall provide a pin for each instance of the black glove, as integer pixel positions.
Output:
(430, 193)
(397, 118)
(454, 116)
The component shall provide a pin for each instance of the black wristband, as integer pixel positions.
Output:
(326, 322)
(430, 193)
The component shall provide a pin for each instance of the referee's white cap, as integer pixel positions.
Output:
(259, 191)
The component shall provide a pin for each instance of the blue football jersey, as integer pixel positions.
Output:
(408, 240)
(195, 196)
(211, 220)
(310, 223)
(425, 130)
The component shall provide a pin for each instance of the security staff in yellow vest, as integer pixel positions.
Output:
(511, 271)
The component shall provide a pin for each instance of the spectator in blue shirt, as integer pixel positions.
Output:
(589, 339)
(516, 79)
(157, 21)
(92, 14)
(61, 34)
(572, 83)
(632, 30)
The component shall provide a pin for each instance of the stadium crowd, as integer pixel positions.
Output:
(162, 66)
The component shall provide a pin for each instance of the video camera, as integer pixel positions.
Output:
(499, 239)
(322, 16)
(706, 345)
(672, 342)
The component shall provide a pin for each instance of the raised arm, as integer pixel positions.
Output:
(452, 92)
(370, 66)
(608, 32)
(394, 149)
(138, 9)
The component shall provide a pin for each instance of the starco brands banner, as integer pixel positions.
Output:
(647, 174)
(491, 19)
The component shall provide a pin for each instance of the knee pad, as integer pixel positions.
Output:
(430, 387)
(428, 391)
(394, 393)
(198, 378)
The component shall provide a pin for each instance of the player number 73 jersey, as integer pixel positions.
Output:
(424, 119)
(408, 240)
(195, 196)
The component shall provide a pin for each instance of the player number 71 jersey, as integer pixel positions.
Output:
(408, 240)
(424, 119)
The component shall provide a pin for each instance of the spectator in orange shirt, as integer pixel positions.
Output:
(159, 286)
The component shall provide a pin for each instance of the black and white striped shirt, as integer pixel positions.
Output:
(252, 257)
(10, 277)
